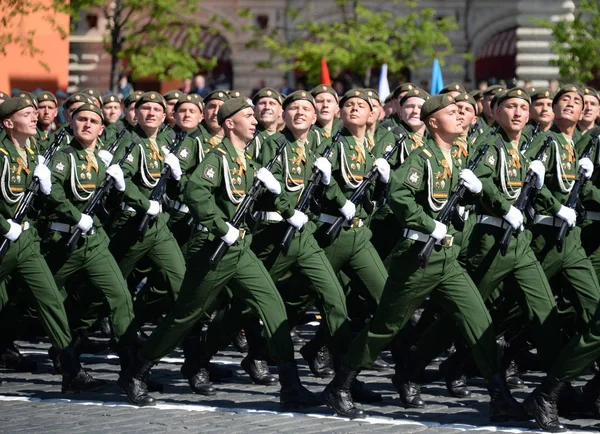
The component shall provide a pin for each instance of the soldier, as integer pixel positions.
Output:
(453, 89)
(129, 110)
(591, 110)
(112, 109)
(171, 99)
(417, 194)
(76, 173)
(47, 112)
(540, 111)
(486, 115)
(267, 111)
(212, 133)
(397, 95)
(212, 196)
(23, 258)
(93, 95)
(326, 101)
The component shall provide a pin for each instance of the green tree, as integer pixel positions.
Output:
(576, 42)
(362, 40)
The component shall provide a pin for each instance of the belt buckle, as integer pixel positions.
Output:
(448, 241)
(242, 234)
(355, 223)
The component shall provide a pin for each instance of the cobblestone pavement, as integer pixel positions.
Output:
(33, 403)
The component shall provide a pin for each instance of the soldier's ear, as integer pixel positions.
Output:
(432, 122)
(7, 123)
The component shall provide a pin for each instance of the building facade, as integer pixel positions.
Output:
(500, 36)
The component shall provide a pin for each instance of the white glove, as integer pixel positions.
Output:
(539, 169)
(348, 210)
(587, 166)
(231, 236)
(172, 161)
(14, 232)
(440, 231)
(567, 214)
(154, 208)
(105, 156)
(471, 181)
(85, 223)
(43, 174)
(324, 167)
(298, 220)
(268, 181)
(383, 167)
(515, 218)
(117, 174)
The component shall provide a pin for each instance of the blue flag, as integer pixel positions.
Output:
(437, 82)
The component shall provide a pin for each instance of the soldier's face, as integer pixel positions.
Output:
(513, 114)
(486, 105)
(130, 115)
(541, 111)
(327, 107)
(210, 114)
(112, 112)
(355, 111)
(150, 115)
(300, 115)
(388, 108)
(446, 121)
(187, 116)
(171, 110)
(591, 108)
(243, 124)
(72, 108)
(569, 107)
(47, 112)
(23, 122)
(410, 112)
(466, 114)
(86, 126)
(268, 111)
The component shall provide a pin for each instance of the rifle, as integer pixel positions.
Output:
(244, 207)
(307, 194)
(101, 191)
(157, 192)
(445, 215)
(32, 190)
(523, 198)
(577, 186)
(528, 143)
(334, 230)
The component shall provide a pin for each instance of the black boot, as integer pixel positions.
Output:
(512, 376)
(361, 393)
(541, 404)
(53, 355)
(454, 376)
(75, 378)
(131, 382)
(296, 339)
(106, 328)
(240, 342)
(11, 358)
(194, 368)
(503, 407)
(591, 394)
(380, 365)
(293, 394)
(318, 359)
(84, 344)
(127, 357)
(198, 379)
(337, 394)
(409, 390)
(258, 370)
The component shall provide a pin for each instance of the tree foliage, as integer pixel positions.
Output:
(576, 42)
(362, 40)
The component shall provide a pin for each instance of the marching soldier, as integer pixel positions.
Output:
(212, 194)
(23, 258)
(47, 112)
(327, 103)
(112, 109)
(212, 133)
(268, 111)
(419, 190)
(540, 112)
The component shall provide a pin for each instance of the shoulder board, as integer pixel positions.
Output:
(425, 154)
(248, 156)
(499, 143)
(221, 150)
(4, 151)
(69, 150)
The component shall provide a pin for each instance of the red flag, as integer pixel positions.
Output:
(325, 79)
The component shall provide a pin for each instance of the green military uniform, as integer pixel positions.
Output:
(23, 258)
(502, 172)
(418, 192)
(76, 173)
(581, 283)
(142, 170)
(212, 194)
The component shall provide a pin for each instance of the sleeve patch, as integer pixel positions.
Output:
(413, 177)
(59, 167)
(209, 173)
(490, 160)
(184, 153)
